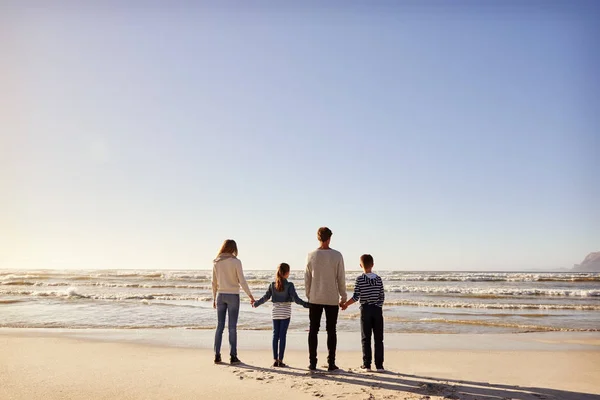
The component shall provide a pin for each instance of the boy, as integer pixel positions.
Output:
(369, 289)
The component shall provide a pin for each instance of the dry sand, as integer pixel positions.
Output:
(52, 366)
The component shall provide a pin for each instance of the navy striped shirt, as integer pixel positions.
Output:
(369, 289)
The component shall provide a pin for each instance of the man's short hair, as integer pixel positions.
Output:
(367, 260)
(324, 234)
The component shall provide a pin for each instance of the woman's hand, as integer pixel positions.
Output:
(252, 301)
(214, 304)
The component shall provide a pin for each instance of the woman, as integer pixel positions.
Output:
(227, 278)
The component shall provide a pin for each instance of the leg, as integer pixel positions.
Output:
(285, 323)
(234, 312)
(276, 335)
(366, 326)
(331, 316)
(221, 311)
(314, 315)
(378, 336)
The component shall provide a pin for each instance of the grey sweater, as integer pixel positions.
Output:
(325, 277)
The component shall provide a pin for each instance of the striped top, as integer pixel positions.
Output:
(281, 310)
(369, 289)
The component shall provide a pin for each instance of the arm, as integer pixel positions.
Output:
(382, 293)
(348, 303)
(341, 280)
(242, 281)
(297, 298)
(355, 296)
(308, 278)
(263, 299)
(215, 286)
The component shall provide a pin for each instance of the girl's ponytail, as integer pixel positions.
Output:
(281, 271)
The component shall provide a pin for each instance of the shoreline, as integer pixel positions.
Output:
(347, 341)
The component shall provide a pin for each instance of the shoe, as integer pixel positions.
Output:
(217, 359)
(312, 367)
(380, 369)
(281, 364)
(234, 360)
(365, 367)
(332, 367)
(276, 363)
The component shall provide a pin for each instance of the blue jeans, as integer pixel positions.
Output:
(227, 304)
(280, 327)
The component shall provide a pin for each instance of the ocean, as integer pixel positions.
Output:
(420, 302)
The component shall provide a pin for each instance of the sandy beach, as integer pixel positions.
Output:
(137, 364)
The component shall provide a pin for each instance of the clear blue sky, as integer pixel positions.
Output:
(433, 137)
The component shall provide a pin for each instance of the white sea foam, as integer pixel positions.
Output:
(73, 292)
(494, 291)
(491, 277)
(495, 306)
(268, 275)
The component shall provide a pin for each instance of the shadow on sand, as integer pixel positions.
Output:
(368, 383)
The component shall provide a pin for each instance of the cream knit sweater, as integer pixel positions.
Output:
(228, 276)
(325, 277)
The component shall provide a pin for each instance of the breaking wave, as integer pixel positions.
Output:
(494, 291)
(495, 306)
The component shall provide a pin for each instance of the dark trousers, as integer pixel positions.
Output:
(314, 315)
(280, 327)
(371, 321)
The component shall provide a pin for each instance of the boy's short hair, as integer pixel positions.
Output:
(324, 234)
(367, 260)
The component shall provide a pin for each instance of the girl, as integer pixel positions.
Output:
(283, 292)
(227, 278)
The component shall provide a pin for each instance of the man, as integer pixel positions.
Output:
(325, 283)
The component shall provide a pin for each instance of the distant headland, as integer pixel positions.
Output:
(590, 264)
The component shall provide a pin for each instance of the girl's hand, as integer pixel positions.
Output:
(252, 301)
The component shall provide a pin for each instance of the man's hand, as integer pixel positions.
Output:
(342, 304)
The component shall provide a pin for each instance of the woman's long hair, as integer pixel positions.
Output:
(279, 277)
(229, 246)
